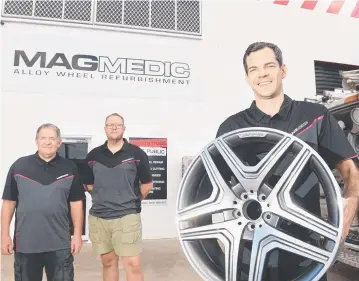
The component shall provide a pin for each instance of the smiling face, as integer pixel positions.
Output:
(48, 142)
(264, 74)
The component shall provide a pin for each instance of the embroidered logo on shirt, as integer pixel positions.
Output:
(60, 177)
(308, 127)
(300, 127)
(128, 159)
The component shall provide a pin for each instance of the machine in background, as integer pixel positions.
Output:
(343, 103)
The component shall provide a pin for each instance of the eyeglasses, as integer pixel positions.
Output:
(114, 126)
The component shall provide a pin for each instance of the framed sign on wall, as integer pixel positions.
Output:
(156, 150)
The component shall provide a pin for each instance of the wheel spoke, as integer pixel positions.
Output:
(283, 206)
(221, 198)
(289, 177)
(267, 239)
(232, 259)
(234, 163)
(252, 176)
(200, 209)
(262, 169)
(297, 215)
(229, 233)
(218, 183)
(210, 231)
(258, 256)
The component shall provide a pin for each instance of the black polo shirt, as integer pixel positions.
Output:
(313, 124)
(310, 122)
(42, 191)
(116, 178)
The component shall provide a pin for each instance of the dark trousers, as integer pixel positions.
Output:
(58, 266)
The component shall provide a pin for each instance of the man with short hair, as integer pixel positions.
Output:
(265, 70)
(118, 177)
(40, 187)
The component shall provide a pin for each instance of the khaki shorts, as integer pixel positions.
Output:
(123, 235)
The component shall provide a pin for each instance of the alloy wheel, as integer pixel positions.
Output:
(241, 203)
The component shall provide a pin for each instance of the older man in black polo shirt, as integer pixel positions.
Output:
(263, 64)
(119, 177)
(40, 187)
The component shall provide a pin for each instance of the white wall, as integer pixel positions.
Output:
(187, 115)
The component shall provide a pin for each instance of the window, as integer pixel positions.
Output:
(171, 16)
(74, 151)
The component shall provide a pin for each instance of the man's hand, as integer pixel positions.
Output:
(145, 189)
(77, 220)
(350, 209)
(7, 212)
(6, 245)
(350, 174)
(88, 187)
(76, 244)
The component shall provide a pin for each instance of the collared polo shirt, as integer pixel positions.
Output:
(42, 191)
(310, 122)
(313, 124)
(116, 178)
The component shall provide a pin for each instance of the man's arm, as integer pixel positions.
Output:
(145, 175)
(77, 195)
(77, 216)
(334, 146)
(350, 174)
(145, 189)
(87, 174)
(7, 212)
(337, 152)
(10, 197)
(77, 221)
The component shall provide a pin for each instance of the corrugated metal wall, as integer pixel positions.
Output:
(327, 75)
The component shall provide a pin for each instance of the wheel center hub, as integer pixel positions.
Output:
(252, 210)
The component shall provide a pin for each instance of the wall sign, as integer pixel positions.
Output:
(156, 150)
(90, 67)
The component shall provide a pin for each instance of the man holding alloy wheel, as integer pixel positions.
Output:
(310, 122)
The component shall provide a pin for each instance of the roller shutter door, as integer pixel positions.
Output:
(327, 75)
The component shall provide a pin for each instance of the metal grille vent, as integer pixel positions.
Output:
(109, 11)
(163, 14)
(188, 16)
(18, 7)
(48, 9)
(78, 10)
(137, 13)
(177, 16)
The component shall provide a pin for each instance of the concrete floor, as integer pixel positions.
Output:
(162, 261)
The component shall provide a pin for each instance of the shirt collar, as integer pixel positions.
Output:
(283, 111)
(42, 162)
(125, 146)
